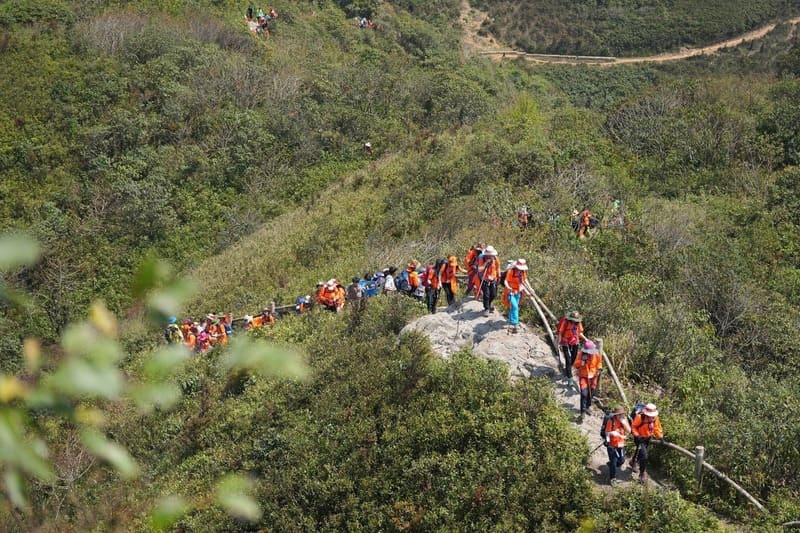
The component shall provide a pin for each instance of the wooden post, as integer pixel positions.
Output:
(546, 324)
(611, 371)
(699, 456)
(272, 307)
(539, 301)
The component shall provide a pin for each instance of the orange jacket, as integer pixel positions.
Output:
(432, 278)
(646, 427)
(328, 296)
(515, 279)
(585, 218)
(413, 278)
(190, 341)
(588, 365)
(570, 332)
(617, 430)
(489, 268)
(471, 260)
(257, 322)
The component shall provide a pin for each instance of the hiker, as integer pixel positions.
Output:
(329, 296)
(589, 364)
(172, 333)
(471, 261)
(645, 426)
(368, 148)
(248, 322)
(523, 217)
(190, 339)
(355, 293)
(489, 273)
(432, 283)
(570, 334)
(447, 277)
(369, 286)
(616, 428)
(302, 304)
(584, 222)
(513, 284)
(266, 318)
(388, 281)
(407, 281)
(203, 341)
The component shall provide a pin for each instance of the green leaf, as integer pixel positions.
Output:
(232, 494)
(168, 511)
(79, 377)
(165, 361)
(84, 340)
(16, 251)
(15, 488)
(148, 396)
(19, 451)
(110, 452)
(169, 301)
(151, 273)
(246, 353)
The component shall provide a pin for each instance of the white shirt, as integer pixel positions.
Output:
(388, 283)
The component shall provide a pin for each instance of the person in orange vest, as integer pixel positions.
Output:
(190, 339)
(570, 334)
(616, 430)
(447, 277)
(248, 322)
(584, 221)
(489, 273)
(432, 283)
(413, 279)
(589, 364)
(523, 217)
(471, 262)
(514, 282)
(645, 426)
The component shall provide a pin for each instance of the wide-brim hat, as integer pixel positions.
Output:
(521, 264)
(413, 264)
(589, 347)
(247, 318)
(489, 250)
(575, 316)
(619, 410)
(650, 410)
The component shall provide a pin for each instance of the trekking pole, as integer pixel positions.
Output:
(597, 448)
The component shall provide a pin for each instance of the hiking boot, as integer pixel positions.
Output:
(570, 382)
(514, 329)
(486, 312)
(634, 467)
(643, 478)
(614, 482)
(580, 418)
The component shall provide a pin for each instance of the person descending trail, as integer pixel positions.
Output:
(589, 364)
(331, 296)
(515, 279)
(615, 430)
(431, 281)
(645, 426)
(471, 261)
(489, 273)
(570, 334)
(354, 294)
(523, 217)
(447, 277)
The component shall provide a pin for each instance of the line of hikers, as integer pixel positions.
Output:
(643, 423)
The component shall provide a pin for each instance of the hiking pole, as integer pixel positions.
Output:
(597, 448)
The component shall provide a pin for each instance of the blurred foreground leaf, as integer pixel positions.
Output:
(15, 487)
(110, 452)
(16, 251)
(233, 494)
(267, 360)
(168, 511)
(16, 450)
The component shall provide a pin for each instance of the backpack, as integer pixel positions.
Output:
(637, 408)
(173, 334)
(606, 418)
(401, 282)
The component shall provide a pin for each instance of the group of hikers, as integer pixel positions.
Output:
(425, 283)
(258, 20)
(583, 355)
(484, 277)
(582, 222)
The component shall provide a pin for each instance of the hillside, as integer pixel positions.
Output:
(152, 133)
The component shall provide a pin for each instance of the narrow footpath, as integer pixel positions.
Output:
(527, 355)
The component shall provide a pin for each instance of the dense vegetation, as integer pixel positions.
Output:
(624, 27)
(143, 131)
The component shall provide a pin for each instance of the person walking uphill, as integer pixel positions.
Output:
(570, 334)
(645, 426)
(489, 273)
(516, 278)
(589, 364)
(471, 261)
(615, 431)
(447, 277)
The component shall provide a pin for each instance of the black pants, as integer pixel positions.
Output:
(570, 353)
(448, 292)
(489, 291)
(431, 298)
(641, 454)
(616, 458)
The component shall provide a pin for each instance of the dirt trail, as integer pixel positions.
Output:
(472, 19)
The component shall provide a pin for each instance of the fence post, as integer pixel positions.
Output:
(699, 457)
